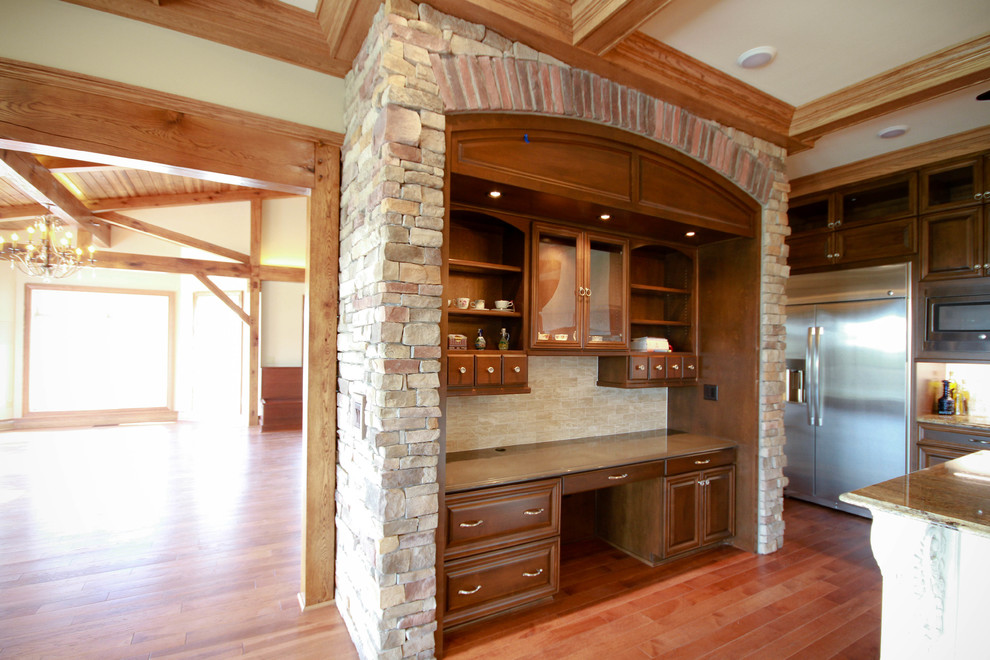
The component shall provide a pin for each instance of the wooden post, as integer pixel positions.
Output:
(254, 308)
(320, 380)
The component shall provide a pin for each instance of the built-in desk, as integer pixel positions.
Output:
(931, 539)
(655, 494)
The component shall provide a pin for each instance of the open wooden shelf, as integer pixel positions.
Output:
(650, 288)
(468, 266)
(484, 312)
(658, 322)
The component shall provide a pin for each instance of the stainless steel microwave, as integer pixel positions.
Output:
(957, 319)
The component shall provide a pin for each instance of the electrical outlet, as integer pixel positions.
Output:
(711, 392)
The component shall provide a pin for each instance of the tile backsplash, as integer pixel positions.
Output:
(564, 403)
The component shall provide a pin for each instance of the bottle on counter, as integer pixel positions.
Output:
(503, 340)
(479, 342)
(946, 404)
(962, 398)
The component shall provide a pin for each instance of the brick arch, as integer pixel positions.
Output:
(481, 83)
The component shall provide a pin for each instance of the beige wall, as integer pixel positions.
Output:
(65, 36)
(8, 288)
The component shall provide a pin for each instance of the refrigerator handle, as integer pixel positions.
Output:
(819, 390)
(810, 376)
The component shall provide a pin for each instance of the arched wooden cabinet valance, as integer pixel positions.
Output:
(578, 170)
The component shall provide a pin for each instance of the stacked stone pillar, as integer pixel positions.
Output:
(416, 65)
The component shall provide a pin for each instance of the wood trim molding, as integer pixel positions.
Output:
(177, 199)
(345, 24)
(223, 297)
(919, 155)
(937, 74)
(600, 24)
(265, 27)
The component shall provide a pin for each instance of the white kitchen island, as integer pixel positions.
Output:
(931, 539)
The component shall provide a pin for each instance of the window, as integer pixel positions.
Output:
(97, 349)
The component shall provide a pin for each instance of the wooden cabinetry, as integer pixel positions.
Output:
(955, 183)
(502, 548)
(699, 501)
(938, 444)
(662, 303)
(579, 288)
(487, 372)
(953, 244)
(648, 370)
(870, 222)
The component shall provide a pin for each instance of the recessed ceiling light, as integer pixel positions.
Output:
(893, 132)
(605, 216)
(494, 194)
(754, 58)
(689, 234)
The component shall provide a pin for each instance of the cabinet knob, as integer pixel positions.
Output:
(516, 369)
(977, 267)
(580, 290)
(980, 441)
(538, 572)
(831, 225)
(468, 592)
(659, 367)
(675, 367)
(978, 196)
(640, 367)
(491, 370)
(463, 370)
(837, 255)
(838, 223)
(691, 367)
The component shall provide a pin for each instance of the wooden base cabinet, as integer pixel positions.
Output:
(939, 444)
(699, 504)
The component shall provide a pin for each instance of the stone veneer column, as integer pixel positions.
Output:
(389, 343)
(416, 65)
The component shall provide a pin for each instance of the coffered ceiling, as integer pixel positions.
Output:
(841, 66)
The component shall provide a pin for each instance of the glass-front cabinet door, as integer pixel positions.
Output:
(580, 288)
(605, 293)
(556, 312)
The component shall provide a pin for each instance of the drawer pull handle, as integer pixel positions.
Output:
(538, 572)
(675, 367)
(463, 370)
(533, 512)
(691, 367)
(468, 592)
(616, 477)
(473, 523)
(979, 441)
(640, 367)
(491, 370)
(659, 367)
(517, 369)
(704, 462)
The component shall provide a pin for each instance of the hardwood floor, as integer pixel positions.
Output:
(182, 540)
(173, 540)
(818, 597)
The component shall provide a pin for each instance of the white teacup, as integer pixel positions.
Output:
(463, 303)
(503, 304)
(478, 304)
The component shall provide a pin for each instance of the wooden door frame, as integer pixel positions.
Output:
(62, 113)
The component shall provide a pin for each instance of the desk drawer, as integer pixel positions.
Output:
(624, 474)
(495, 581)
(972, 440)
(491, 518)
(700, 461)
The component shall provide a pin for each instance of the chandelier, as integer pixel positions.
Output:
(48, 250)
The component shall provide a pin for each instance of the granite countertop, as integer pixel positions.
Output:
(501, 465)
(962, 421)
(955, 493)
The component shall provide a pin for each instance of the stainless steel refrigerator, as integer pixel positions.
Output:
(847, 382)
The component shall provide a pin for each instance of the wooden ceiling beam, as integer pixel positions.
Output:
(345, 24)
(66, 165)
(600, 24)
(184, 240)
(51, 112)
(181, 199)
(265, 27)
(22, 211)
(224, 298)
(26, 173)
(926, 78)
(182, 266)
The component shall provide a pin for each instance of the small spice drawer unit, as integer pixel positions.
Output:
(503, 547)
(487, 372)
(648, 370)
(491, 582)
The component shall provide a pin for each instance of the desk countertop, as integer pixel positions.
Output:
(489, 467)
(955, 493)
(962, 421)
